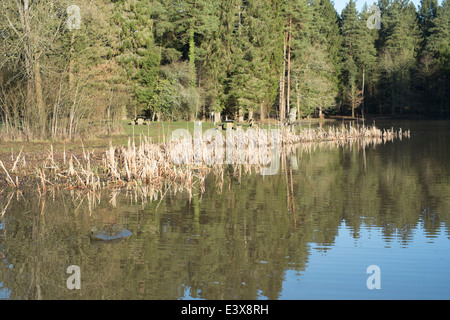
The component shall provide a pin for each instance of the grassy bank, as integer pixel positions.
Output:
(157, 132)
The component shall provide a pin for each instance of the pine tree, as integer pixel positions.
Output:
(325, 30)
(398, 47)
(438, 45)
(255, 76)
(240, 74)
(138, 53)
(366, 58)
(426, 65)
(314, 85)
(191, 24)
(350, 36)
(427, 12)
(301, 29)
(217, 55)
(325, 37)
(266, 53)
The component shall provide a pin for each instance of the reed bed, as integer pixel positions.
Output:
(180, 165)
(343, 133)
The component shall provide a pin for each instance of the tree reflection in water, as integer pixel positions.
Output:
(236, 236)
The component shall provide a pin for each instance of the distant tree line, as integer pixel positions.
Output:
(60, 72)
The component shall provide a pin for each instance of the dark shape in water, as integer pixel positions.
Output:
(110, 232)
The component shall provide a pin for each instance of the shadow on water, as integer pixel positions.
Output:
(309, 231)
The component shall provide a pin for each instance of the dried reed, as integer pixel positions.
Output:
(152, 166)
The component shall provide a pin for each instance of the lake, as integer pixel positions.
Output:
(311, 231)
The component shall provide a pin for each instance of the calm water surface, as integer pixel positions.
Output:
(309, 232)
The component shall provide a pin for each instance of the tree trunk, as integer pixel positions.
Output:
(362, 92)
(289, 68)
(297, 93)
(352, 96)
(261, 114)
(72, 39)
(282, 83)
(39, 98)
(281, 103)
(29, 61)
(192, 70)
(217, 117)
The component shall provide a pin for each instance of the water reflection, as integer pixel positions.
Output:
(408, 271)
(308, 232)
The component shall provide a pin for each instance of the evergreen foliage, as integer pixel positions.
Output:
(189, 59)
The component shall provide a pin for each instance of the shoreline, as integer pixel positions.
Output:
(151, 163)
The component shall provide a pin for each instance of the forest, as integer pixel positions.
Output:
(74, 68)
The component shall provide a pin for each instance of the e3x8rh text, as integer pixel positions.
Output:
(246, 309)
